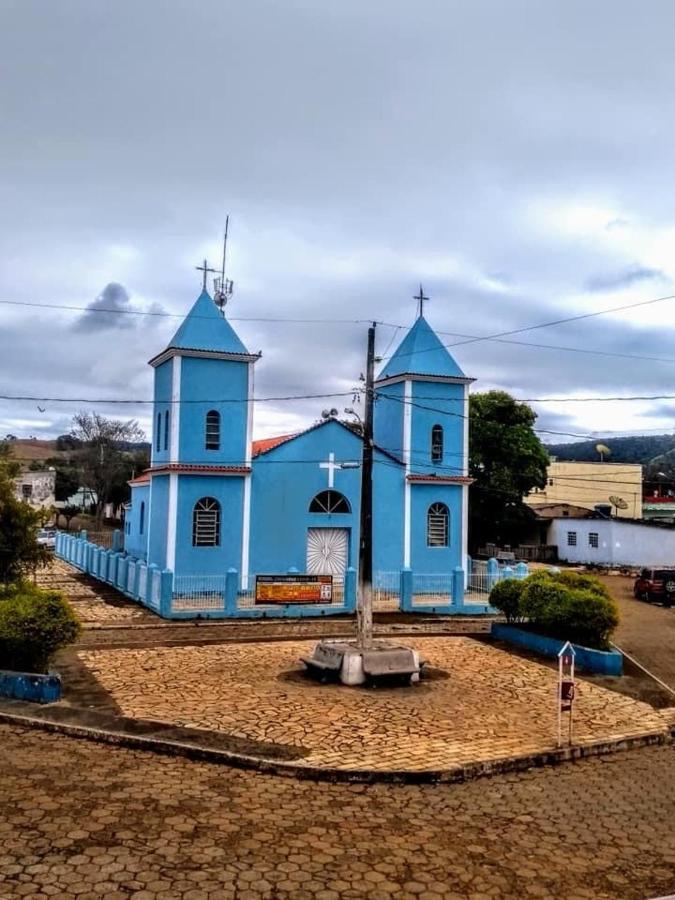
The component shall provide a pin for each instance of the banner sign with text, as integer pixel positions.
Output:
(293, 589)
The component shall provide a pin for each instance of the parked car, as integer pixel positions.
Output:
(46, 537)
(656, 584)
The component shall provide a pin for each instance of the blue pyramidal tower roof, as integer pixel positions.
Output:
(206, 328)
(421, 353)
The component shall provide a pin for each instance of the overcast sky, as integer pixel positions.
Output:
(516, 157)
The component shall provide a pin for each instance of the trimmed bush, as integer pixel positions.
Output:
(565, 605)
(571, 607)
(34, 624)
(505, 596)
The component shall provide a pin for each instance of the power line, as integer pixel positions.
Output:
(168, 315)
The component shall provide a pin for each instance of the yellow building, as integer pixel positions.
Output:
(590, 484)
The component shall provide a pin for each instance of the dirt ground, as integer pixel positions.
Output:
(646, 631)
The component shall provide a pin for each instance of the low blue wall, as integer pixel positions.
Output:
(27, 686)
(603, 662)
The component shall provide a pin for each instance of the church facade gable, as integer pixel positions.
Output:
(301, 491)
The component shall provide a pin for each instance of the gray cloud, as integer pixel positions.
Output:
(360, 149)
(616, 280)
(111, 309)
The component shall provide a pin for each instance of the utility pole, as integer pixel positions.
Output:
(364, 606)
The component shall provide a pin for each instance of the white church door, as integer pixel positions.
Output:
(327, 551)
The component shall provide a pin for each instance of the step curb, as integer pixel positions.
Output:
(454, 774)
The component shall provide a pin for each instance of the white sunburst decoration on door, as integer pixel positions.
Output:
(327, 551)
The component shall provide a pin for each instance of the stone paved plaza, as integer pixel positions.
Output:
(479, 703)
(83, 820)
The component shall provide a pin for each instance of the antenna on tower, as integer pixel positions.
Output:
(223, 287)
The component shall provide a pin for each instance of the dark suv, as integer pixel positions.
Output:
(656, 584)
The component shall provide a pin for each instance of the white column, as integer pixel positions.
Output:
(246, 516)
(407, 444)
(171, 517)
(174, 442)
(465, 488)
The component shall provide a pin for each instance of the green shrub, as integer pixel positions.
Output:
(571, 607)
(505, 596)
(34, 624)
(540, 598)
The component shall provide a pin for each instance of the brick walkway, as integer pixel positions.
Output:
(479, 703)
(78, 819)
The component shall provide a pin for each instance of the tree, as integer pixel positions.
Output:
(68, 513)
(507, 460)
(103, 457)
(20, 552)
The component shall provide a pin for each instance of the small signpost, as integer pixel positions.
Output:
(565, 693)
(293, 589)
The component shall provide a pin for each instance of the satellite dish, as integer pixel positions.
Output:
(618, 502)
(603, 450)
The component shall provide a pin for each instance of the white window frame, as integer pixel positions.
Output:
(438, 526)
(206, 523)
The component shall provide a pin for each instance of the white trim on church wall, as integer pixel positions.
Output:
(407, 441)
(465, 488)
(172, 521)
(249, 415)
(246, 509)
(175, 409)
(246, 533)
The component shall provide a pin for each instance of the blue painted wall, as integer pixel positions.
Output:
(424, 559)
(135, 541)
(162, 407)
(217, 381)
(388, 418)
(437, 403)
(284, 482)
(388, 500)
(158, 525)
(229, 492)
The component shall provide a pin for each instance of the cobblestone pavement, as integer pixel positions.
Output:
(646, 631)
(94, 602)
(78, 819)
(478, 703)
(111, 619)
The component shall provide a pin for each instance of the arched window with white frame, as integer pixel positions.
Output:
(212, 430)
(438, 521)
(206, 523)
(437, 444)
(330, 502)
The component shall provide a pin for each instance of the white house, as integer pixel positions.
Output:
(613, 542)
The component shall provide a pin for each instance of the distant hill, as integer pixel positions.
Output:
(634, 449)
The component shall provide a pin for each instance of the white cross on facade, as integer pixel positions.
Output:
(331, 465)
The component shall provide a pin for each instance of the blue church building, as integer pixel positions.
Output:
(214, 500)
(218, 516)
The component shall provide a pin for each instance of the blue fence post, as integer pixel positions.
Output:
(110, 559)
(112, 569)
(507, 572)
(458, 587)
(165, 593)
(105, 561)
(406, 590)
(122, 573)
(349, 599)
(83, 534)
(522, 570)
(492, 573)
(231, 588)
(117, 542)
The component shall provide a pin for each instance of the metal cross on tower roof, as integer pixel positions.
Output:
(420, 299)
(204, 268)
